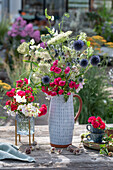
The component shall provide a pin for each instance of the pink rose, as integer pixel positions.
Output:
(62, 83)
(26, 80)
(69, 93)
(55, 63)
(67, 70)
(57, 70)
(19, 83)
(61, 92)
(52, 68)
(21, 93)
(72, 84)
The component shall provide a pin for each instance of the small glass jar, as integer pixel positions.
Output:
(23, 125)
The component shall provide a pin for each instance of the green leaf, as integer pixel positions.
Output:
(88, 43)
(67, 15)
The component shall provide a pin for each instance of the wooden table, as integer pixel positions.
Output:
(88, 160)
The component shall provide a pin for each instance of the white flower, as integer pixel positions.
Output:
(20, 99)
(52, 18)
(82, 36)
(90, 50)
(32, 41)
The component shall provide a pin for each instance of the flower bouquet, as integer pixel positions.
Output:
(58, 70)
(96, 128)
(21, 105)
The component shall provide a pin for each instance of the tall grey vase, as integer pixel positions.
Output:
(61, 121)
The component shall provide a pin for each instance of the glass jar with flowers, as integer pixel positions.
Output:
(96, 128)
(59, 73)
(22, 107)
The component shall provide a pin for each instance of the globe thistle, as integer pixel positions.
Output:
(46, 80)
(78, 45)
(95, 60)
(80, 79)
(84, 63)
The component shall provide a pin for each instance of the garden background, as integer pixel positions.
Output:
(95, 18)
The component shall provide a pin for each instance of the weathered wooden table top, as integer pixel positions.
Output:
(89, 160)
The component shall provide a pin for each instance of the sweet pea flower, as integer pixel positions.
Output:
(55, 63)
(67, 70)
(57, 70)
(62, 83)
(26, 80)
(72, 84)
(69, 93)
(61, 92)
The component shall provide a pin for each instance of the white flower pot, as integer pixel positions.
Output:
(61, 120)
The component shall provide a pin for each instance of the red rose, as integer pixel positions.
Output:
(61, 92)
(31, 98)
(95, 124)
(52, 84)
(57, 70)
(28, 92)
(10, 93)
(67, 70)
(26, 80)
(62, 83)
(49, 92)
(21, 93)
(102, 126)
(53, 93)
(19, 83)
(92, 118)
(99, 119)
(44, 105)
(55, 89)
(43, 111)
(13, 107)
(76, 86)
(8, 102)
(72, 84)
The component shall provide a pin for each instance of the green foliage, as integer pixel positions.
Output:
(4, 26)
(95, 97)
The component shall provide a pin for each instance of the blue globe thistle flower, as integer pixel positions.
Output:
(83, 63)
(80, 79)
(78, 45)
(95, 59)
(46, 80)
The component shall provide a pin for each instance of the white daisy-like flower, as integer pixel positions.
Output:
(52, 18)
(32, 41)
(82, 36)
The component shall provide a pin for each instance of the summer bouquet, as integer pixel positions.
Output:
(96, 122)
(59, 65)
(21, 101)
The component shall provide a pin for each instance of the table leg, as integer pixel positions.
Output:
(33, 137)
(15, 132)
(29, 134)
(19, 138)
